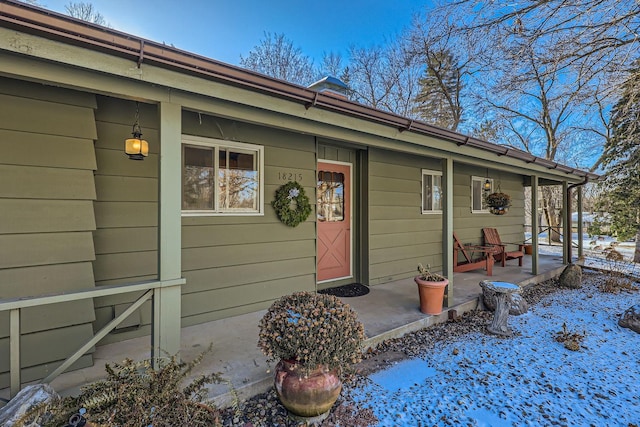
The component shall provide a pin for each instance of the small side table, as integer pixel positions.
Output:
(503, 291)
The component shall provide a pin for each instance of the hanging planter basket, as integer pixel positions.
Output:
(502, 210)
(498, 203)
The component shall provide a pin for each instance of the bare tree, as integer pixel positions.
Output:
(385, 78)
(540, 107)
(590, 30)
(277, 57)
(332, 65)
(86, 12)
(581, 49)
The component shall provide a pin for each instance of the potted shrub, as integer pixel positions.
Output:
(498, 203)
(314, 337)
(431, 288)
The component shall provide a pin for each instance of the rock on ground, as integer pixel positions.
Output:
(26, 399)
(571, 277)
(631, 319)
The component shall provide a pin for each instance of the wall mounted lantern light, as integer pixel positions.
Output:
(487, 185)
(136, 147)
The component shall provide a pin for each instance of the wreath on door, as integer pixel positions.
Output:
(291, 204)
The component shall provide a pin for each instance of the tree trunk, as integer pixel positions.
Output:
(552, 215)
(499, 325)
(636, 254)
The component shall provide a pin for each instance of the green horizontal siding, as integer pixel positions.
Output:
(37, 149)
(237, 275)
(53, 118)
(400, 235)
(125, 240)
(241, 234)
(47, 218)
(215, 304)
(126, 189)
(26, 182)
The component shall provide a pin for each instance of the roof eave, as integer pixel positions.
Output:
(42, 22)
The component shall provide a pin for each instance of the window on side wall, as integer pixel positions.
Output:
(431, 191)
(221, 177)
(478, 204)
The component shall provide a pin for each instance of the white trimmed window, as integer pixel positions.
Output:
(431, 191)
(221, 177)
(478, 192)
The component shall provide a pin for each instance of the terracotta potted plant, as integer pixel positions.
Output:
(498, 203)
(431, 288)
(314, 337)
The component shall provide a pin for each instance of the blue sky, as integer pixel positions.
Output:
(226, 29)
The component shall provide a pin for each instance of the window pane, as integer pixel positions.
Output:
(477, 195)
(238, 183)
(330, 195)
(427, 193)
(437, 193)
(222, 158)
(197, 178)
(241, 161)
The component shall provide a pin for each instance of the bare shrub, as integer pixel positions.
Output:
(135, 394)
(571, 340)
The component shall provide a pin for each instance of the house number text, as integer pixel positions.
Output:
(289, 176)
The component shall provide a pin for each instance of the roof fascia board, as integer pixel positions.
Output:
(88, 62)
(87, 80)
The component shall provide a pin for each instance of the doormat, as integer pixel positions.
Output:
(350, 290)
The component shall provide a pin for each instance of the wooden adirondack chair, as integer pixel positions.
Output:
(492, 238)
(468, 263)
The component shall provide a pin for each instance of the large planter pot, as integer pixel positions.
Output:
(306, 394)
(431, 295)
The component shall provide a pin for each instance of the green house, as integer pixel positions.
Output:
(190, 229)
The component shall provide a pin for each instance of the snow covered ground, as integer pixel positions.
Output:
(594, 245)
(595, 256)
(528, 380)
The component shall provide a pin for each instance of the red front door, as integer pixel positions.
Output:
(334, 220)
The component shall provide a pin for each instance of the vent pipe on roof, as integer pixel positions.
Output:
(330, 86)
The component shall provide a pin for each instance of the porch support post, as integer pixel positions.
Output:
(447, 225)
(167, 301)
(566, 224)
(535, 220)
(14, 349)
(580, 224)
